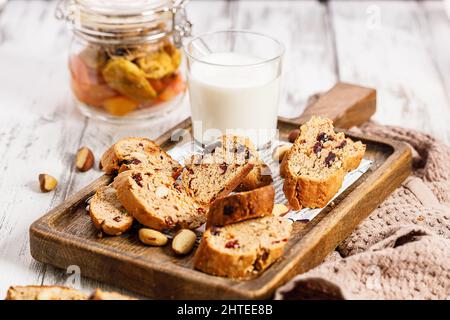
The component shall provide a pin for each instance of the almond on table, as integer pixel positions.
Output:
(84, 159)
(47, 183)
(152, 237)
(184, 241)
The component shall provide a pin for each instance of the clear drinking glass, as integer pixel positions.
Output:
(234, 85)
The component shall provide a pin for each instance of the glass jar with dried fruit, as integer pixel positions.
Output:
(125, 63)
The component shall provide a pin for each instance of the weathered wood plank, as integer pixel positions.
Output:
(303, 27)
(38, 129)
(381, 45)
(436, 30)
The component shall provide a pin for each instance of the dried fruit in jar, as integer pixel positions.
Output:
(87, 85)
(174, 54)
(94, 57)
(126, 77)
(92, 94)
(120, 106)
(173, 88)
(157, 64)
(131, 52)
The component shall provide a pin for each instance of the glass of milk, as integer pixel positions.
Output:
(234, 85)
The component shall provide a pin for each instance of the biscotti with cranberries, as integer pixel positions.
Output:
(241, 206)
(260, 175)
(107, 213)
(157, 201)
(315, 166)
(107, 295)
(138, 153)
(242, 250)
(218, 170)
(44, 293)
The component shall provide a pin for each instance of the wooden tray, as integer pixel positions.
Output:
(65, 236)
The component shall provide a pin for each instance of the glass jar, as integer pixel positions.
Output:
(125, 62)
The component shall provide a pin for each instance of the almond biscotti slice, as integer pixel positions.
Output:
(315, 167)
(260, 175)
(138, 153)
(244, 249)
(157, 201)
(44, 293)
(105, 295)
(241, 206)
(107, 213)
(218, 170)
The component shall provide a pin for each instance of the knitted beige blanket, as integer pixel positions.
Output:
(402, 250)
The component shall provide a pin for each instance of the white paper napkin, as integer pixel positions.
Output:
(182, 152)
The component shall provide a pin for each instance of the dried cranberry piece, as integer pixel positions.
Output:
(138, 179)
(239, 149)
(247, 154)
(132, 161)
(232, 244)
(317, 147)
(223, 167)
(215, 231)
(228, 210)
(211, 148)
(331, 157)
(342, 144)
(323, 137)
(169, 221)
(258, 264)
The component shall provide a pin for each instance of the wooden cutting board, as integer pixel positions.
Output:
(65, 235)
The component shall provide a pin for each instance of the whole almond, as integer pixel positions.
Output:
(84, 160)
(47, 183)
(293, 135)
(279, 152)
(279, 209)
(152, 237)
(184, 241)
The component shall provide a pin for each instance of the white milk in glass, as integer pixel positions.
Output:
(232, 93)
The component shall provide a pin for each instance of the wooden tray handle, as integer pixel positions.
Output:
(346, 104)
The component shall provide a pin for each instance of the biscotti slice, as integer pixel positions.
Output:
(138, 153)
(242, 250)
(219, 170)
(315, 167)
(107, 213)
(260, 176)
(105, 295)
(44, 293)
(157, 201)
(241, 206)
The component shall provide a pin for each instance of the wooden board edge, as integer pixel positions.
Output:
(401, 158)
(40, 234)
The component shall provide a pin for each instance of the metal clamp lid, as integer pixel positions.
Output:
(147, 20)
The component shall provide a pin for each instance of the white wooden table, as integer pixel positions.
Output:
(402, 48)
